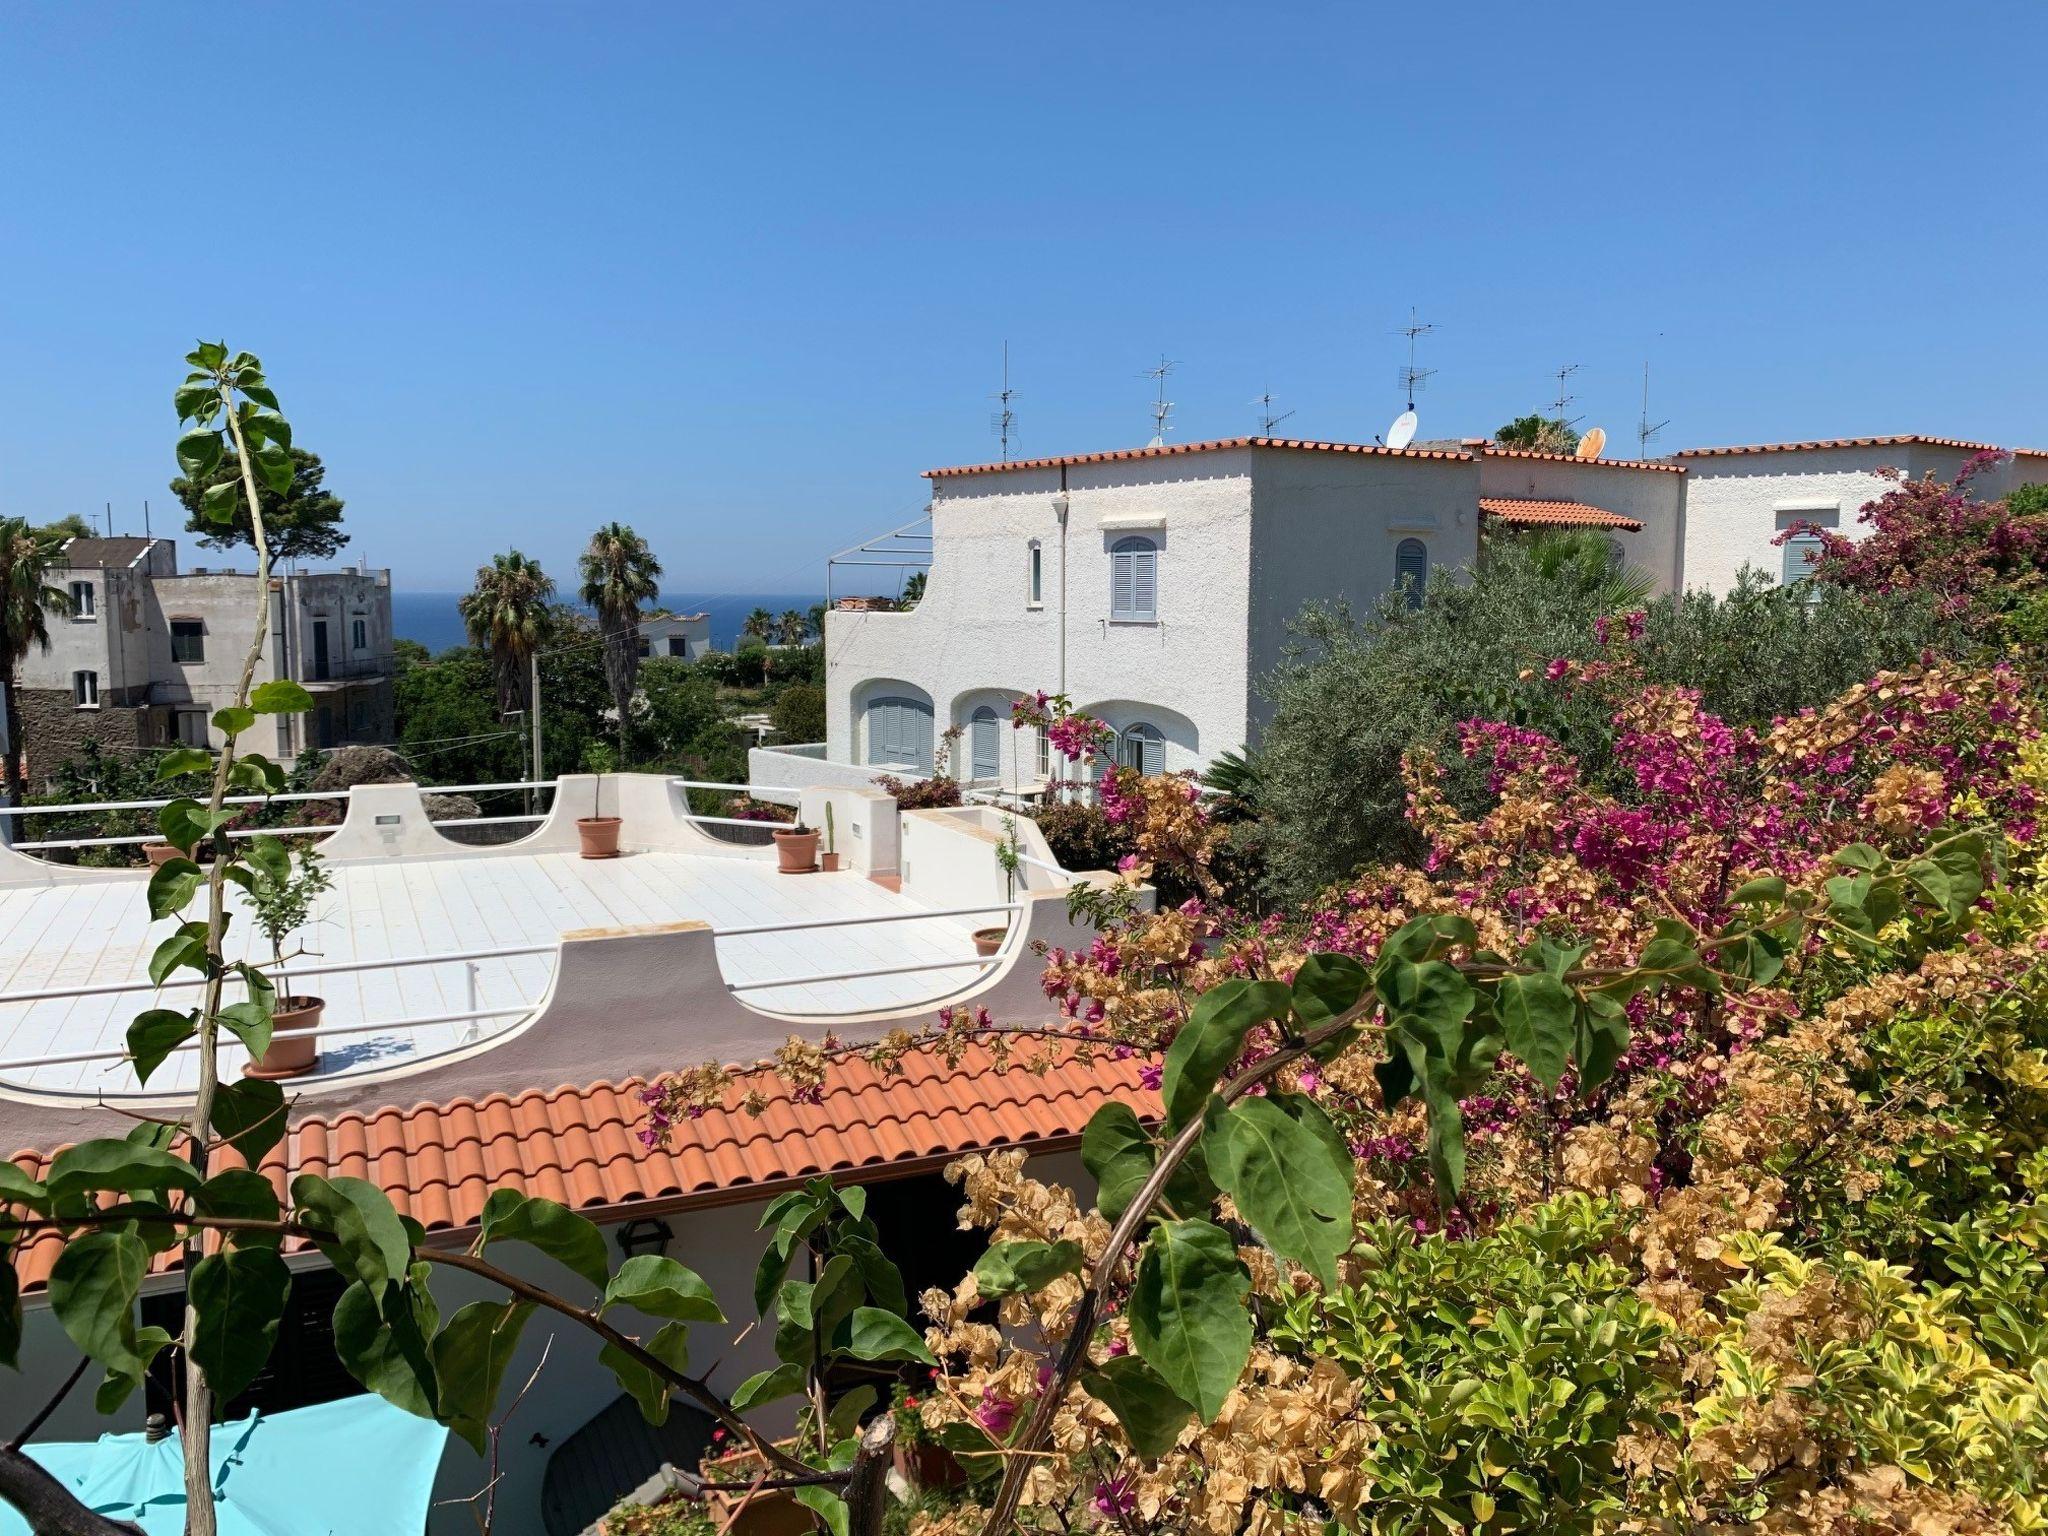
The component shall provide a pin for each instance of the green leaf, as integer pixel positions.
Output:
(834, 1294)
(1537, 1012)
(1008, 1267)
(1860, 856)
(274, 467)
(249, 1114)
(661, 1287)
(251, 1024)
(1152, 1413)
(208, 354)
(154, 1035)
(17, 1188)
(1212, 1039)
(272, 428)
(280, 696)
(1290, 1175)
(124, 1165)
(257, 774)
(183, 760)
(1951, 877)
(93, 1286)
(1446, 1138)
(853, 1199)
(1118, 1154)
(259, 392)
(269, 858)
(470, 1355)
(367, 1242)
(1768, 888)
(184, 949)
(1431, 999)
(826, 1505)
(171, 885)
(872, 1334)
(238, 1296)
(767, 1386)
(648, 1387)
(219, 502)
(1326, 987)
(199, 452)
(844, 1419)
(571, 1240)
(884, 1281)
(194, 400)
(384, 1345)
(1428, 938)
(1188, 1318)
(185, 821)
(245, 1195)
(232, 720)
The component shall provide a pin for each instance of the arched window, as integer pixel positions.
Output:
(899, 731)
(1134, 579)
(1142, 747)
(1411, 569)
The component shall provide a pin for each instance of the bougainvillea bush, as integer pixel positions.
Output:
(1781, 1270)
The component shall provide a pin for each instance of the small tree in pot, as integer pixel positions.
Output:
(598, 833)
(281, 892)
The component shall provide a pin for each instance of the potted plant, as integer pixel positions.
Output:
(828, 857)
(796, 848)
(766, 1512)
(1009, 854)
(158, 854)
(989, 941)
(281, 894)
(597, 832)
(919, 1458)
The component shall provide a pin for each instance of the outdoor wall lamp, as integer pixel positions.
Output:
(649, 1234)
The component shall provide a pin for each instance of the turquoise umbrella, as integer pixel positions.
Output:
(347, 1468)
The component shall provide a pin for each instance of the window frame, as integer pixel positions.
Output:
(198, 624)
(1798, 541)
(1034, 574)
(1411, 592)
(358, 633)
(202, 735)
(85, 689)
(1143, 733)
(1142, 551)
(88, 610)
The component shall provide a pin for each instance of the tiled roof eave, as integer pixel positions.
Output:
(1212, 445)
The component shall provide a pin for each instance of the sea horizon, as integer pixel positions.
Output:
(431, 618)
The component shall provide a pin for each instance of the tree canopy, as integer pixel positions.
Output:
(301, 523)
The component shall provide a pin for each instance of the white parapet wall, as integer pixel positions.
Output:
(773, 768)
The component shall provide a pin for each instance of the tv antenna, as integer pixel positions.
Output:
(1413, 378)
(1162, 407)
(1267, 420)
(1003, 422)
(1564, 397)
(1646, 429)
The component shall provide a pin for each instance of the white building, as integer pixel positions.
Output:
(148, 653)
(685, 636)
(1154, 588)
(1738, 500)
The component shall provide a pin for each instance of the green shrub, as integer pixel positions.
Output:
(799, 713)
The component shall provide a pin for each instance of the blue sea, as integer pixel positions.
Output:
(431, 619)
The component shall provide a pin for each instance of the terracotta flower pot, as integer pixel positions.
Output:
(294, 1040)
(796, 851)
(158, 854)
(929, 1466)
(599, 836)
(829, 862)
(989, 941)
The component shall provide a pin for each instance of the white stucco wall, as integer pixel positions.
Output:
(975, 638)
(1655, 496)
(1737, 503)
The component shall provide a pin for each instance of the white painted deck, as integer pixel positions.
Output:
(86, 934)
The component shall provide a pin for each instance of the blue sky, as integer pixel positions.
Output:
(736, 274)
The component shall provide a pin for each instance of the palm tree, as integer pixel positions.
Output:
(26, 601)
(619, 574)
(759, 626)
(913, 589)
(792, 628)
(507, 611)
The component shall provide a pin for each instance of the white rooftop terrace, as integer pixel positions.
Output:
(800, 952)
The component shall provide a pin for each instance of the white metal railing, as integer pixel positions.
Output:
(977, 961)
(79, 1058)
(331, 968)
(1067, 876)
(858, 922)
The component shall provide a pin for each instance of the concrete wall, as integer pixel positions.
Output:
(1737, 503)
(1656, 497)
(1326, 527)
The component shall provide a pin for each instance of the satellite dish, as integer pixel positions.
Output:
(1402, 432)
(1591, 444)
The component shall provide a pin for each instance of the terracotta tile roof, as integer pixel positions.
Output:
(1533, 512)
(440, 1162)
(1905, 440)
(1169, 450)
(1496, 451)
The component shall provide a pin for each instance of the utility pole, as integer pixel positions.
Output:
(533, 718)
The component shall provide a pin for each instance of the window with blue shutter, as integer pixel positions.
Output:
(1134, 580)
(1802, 552)
(1411, 569)
(986, 760)
(900, 733)
(1143, 748)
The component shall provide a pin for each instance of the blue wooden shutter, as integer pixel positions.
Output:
(1411, 569)
(1134, 579)
(987, 761)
